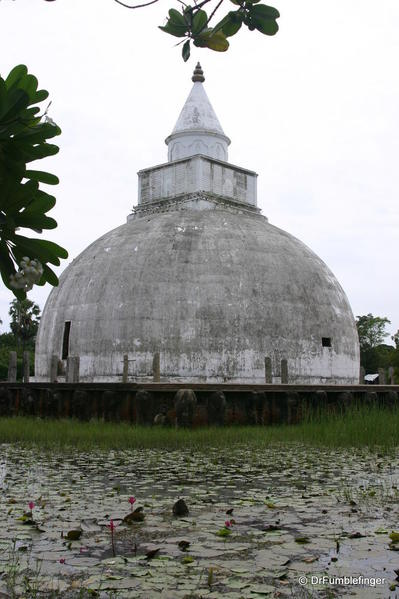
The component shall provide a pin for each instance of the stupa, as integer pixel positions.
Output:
(200, 277)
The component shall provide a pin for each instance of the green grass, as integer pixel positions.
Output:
(358, 427)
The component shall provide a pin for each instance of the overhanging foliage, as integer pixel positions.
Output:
(23, 205)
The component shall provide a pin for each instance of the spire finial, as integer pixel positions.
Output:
(198, 74)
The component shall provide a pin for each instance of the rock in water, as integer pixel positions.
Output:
(180, 508)
(136, 516)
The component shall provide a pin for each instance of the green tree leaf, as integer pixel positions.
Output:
(15, 75)
(174, 29)
(214, 40)
(35, 221)
(42, 176)
(177, 18)
(6, 264)
(17, 100)
(231, 23)
(186, 50)
(176, 24)
(38, 134)
(40, 95)
(263, 18)
(264, 11)
(49, 276)
(200, 20)
(16, 196)
(29, 84)
(42, 203)
(45, 251)
(42, 151)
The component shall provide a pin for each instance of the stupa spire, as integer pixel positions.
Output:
(198, 74)
(197, 130)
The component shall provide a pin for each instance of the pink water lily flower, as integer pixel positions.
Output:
(132, 500)
(62, 560)
(111, 525)
(31, 505)
(227, 524)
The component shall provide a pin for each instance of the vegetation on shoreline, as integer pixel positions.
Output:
(368, 426)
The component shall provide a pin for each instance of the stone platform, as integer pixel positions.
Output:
(187, 405)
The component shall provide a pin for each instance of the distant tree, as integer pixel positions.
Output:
(371, 330)
(395, 339)
(381, 356)
(8, 343)
(374, 353)
(25, 318)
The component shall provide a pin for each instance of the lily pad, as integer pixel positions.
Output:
(74, 535)
(262, 589)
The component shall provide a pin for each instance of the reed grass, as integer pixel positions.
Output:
(358, 427)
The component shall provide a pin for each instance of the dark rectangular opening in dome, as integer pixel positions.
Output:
(326, 341)
(65, 340)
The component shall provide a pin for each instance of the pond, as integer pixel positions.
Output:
(285, 521)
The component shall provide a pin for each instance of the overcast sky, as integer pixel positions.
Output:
(314, 111)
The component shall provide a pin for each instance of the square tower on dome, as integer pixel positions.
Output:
(197, 173)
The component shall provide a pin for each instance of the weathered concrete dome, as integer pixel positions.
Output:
(200, 277)
(214, 292)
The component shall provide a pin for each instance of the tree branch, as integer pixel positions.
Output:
(214, 10)
(136, 5)
(201, 4)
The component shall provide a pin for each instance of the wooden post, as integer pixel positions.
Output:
(72, 369)
(12, 367)
(391, 375)
(53, 369)
(284, 372)
(26, 367)
(125, 368)
(268, 370)
(77, 369)
(69, 370)
(156, 368)
(361, 375)
(381, 376)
